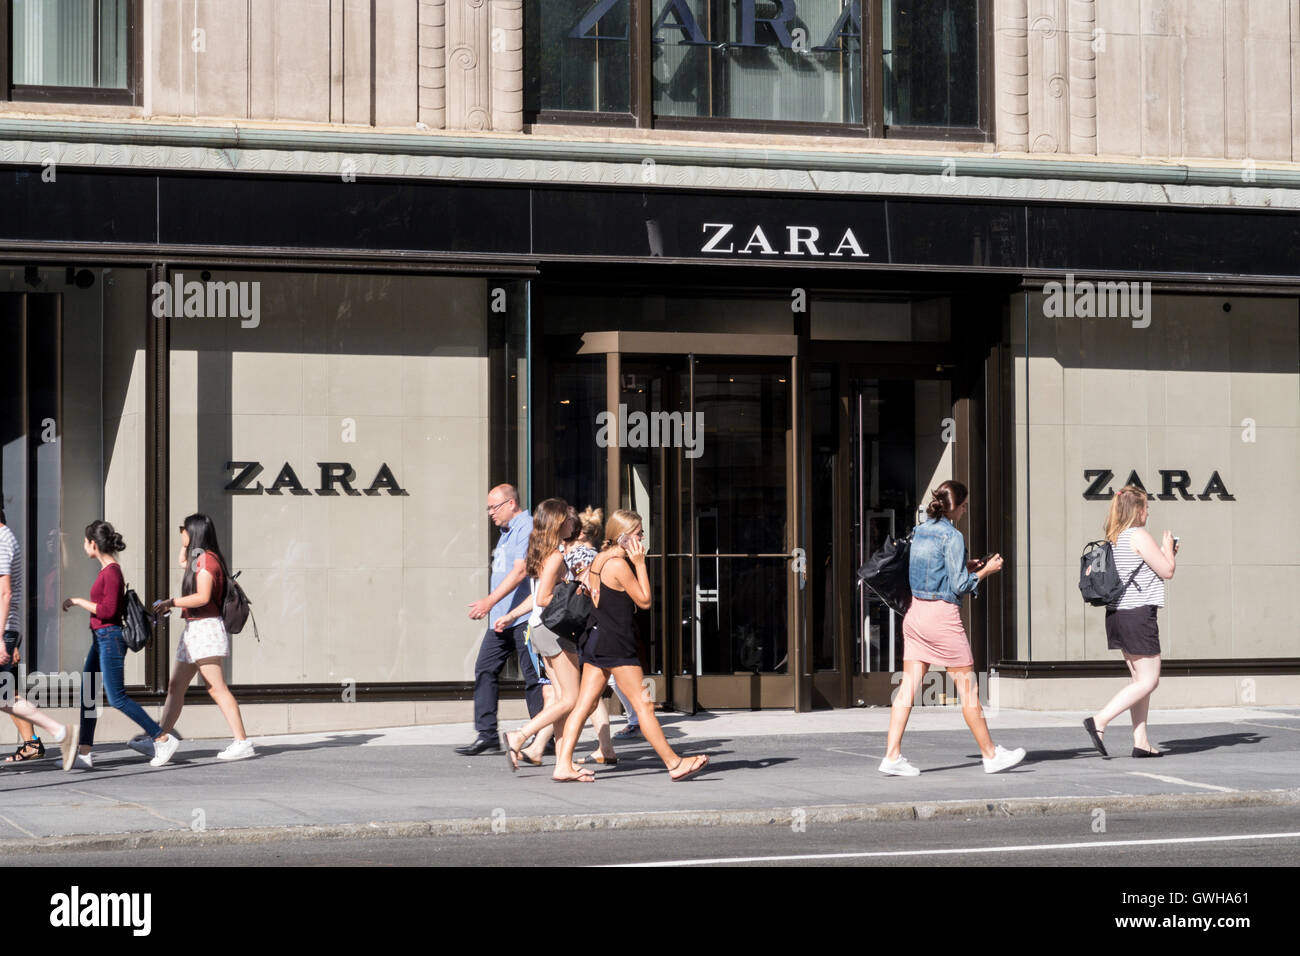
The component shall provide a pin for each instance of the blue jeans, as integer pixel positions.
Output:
(107, 650)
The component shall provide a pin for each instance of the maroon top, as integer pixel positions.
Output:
(208, 562)
(106, 594)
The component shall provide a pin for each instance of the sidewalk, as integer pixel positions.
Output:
(409, 781)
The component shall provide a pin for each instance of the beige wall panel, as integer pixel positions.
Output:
(263, 64)
(1119, 95)
(1236, 104)
(356, 62)
(1263, 609)
(1046, 493)
(1266, 516)
(365, 613)
(288, 623)
(1162, 134)
(397, 63)
(1268, 51)
(169, 46)
(1202, 97)
(1197, 619)
(1198, 398)
(302, 44)
(223, 67)
(266, 383)
(1047, 611)
(440, 531)
(1119, 17)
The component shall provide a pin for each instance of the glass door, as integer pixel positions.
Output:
(706, 460)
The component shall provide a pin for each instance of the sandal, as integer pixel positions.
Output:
(701, 761)
(21, 754)
(599, 758)
(583, 776)
(514, 753)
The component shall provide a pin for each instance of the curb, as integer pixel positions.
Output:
(782, 816)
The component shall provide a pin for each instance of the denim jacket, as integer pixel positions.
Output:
(937, 566)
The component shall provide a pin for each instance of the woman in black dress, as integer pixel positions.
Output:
(619, 584)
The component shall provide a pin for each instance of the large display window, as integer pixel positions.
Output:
(339, 431)
(1198, 399)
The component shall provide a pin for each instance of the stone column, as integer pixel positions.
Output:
(1083, 76)
(432, 110)
(507, 58)
(1012, 64)
(469, 90)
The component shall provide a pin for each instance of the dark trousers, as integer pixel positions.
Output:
(492, 657)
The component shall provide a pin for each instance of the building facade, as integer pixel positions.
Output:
(763, 270)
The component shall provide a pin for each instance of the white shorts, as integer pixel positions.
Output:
(203, 637)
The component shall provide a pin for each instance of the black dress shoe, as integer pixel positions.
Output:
(1095, 734)
(1139, 752)
(480, 745)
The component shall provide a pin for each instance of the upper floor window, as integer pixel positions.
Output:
(70, 51)
(882, 67)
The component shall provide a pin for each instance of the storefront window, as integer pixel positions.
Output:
(71, 43)
(343, 431)
(931, 62)
(72, 440)
(1197, 399)
(578, 56)
(760, 61)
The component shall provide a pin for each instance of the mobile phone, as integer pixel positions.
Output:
(622, 540)
(1175, 542)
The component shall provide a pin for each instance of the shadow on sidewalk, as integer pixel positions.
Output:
(1193, 745)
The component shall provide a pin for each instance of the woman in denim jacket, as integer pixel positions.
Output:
(939, 575)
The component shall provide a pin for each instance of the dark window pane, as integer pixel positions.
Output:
(931, 52)
(70, 43)
(577, 55)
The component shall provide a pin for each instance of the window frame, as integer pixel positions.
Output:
(132, 95)
(872, 92)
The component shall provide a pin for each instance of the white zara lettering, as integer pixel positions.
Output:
(76, 909)
(800, 241)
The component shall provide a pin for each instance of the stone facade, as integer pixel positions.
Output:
(1187, 80)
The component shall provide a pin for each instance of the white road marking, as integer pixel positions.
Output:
(1186, 783)
(853, 753)
(17, 827)
(965, 851)
(1255, 723)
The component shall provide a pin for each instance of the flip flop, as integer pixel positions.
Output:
(1090, 726)
(702, 761)
(513, 754)
(577, 779)
(600, 759)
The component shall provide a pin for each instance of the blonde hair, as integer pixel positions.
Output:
(620, 523)
(591, 521)
(1125, 508)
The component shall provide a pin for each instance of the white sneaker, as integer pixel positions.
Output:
(163, 750)
(1003, 758)
(899, 767)
(142, 744)
(238, 750)
(84, 762)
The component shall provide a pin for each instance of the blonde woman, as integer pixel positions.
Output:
(554, 524)
(619, 584)
(1131, 624)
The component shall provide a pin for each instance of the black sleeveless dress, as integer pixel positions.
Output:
(611, 641)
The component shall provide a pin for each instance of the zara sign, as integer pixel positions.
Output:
(676, 15)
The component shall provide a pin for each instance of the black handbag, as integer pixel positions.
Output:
(568, 611)
(886, 573)
(137, 623)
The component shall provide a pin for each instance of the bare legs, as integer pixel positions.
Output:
(182, 675)
(1135, 698)
(25, 710)
(565, 678)
(589, 691)
(901, 708)
(600, 724)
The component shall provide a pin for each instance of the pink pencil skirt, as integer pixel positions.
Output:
(932, 632)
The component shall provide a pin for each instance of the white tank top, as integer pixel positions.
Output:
(1147, 587)
(535, 618)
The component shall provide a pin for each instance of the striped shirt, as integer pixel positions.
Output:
(11, 563)
(1148, 587)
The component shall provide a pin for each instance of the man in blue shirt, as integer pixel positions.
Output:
(509, 584)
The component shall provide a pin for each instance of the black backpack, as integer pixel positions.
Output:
(1099, 581)
(236, 609)
(886, 573)
(137, 623)
(568, 611)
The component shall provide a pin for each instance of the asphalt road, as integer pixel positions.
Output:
(1265, 836)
